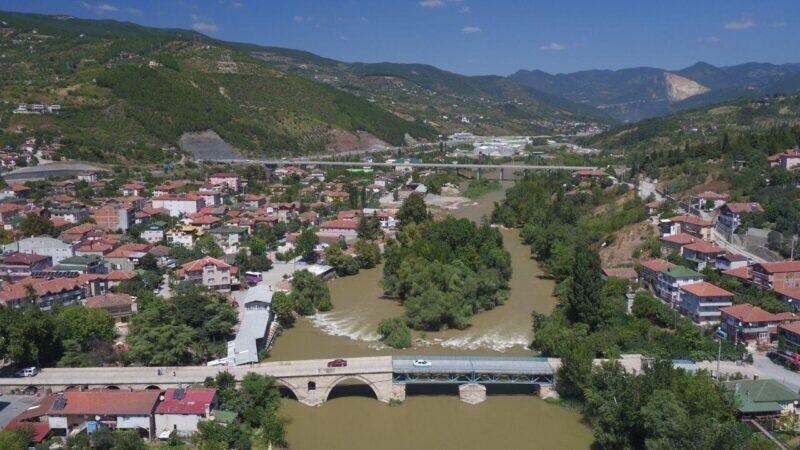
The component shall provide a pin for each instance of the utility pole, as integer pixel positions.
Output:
(719, 354)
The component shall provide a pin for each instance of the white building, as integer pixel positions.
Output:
(179, 205)
(42, 245)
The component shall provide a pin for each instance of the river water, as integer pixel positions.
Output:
(429, 421)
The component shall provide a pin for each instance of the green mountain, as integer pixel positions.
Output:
(448, 101)
(735, 117)
(126, 90)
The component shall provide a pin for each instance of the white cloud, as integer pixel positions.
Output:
(741, 24)
(436, 3)
(465, 10)
(471, 30)
(710, 40)
(301, 19)
(205, 27)
(134, 11)
(779, 24)
(236, 5)
(553, 47)
(99, 8)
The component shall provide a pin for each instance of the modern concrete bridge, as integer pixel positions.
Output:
(306, 162)
(311, 381)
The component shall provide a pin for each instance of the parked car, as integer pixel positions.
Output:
(421, 363)
(28, 372)
(337, 363)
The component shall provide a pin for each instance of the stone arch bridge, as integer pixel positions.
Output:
(312, 381)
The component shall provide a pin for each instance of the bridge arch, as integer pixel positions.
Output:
(362, 381)
(112, 387)
(287, 389)
(152, 387)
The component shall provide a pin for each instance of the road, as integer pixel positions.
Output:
(768, 369)
(719, 239)
(13, 405)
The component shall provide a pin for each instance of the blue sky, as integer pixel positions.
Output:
(481, 36)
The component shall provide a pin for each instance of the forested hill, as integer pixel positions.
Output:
(490, 104)
(126, 89)
(675, 131)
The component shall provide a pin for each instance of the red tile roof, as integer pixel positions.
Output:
(780, 267)
(680, 238)
(108, 300)
(743, 273)
(704, 289)
(200, 263)
(40, 429)
(692, 220)
(340, 224)
(749, 313)
(131, 250)
(19, 290)
(704, 247)
(792, 327)
(107, 402)
(738, 208)
(194, 401)
(656, 265)
(791, 292)
(23, 258)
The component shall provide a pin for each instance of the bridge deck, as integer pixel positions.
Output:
(295, 162)
(473, 364)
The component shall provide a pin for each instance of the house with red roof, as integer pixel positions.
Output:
(770, 275)
(750, 324)
(731, 214)
(39, 430)
(709, 200)
(229, 179)
(65, 291)
(702, 301)
(127, 256)
(787, 159)
(790, 295)
(209, 272)
(703, 253)
(20, 265)
(8, 211)
(728, 260)
(676, 242)
(182, 409)
(590, 173)
(741, 274)
(339, 227)
(650, 269)
(692, 225)
(116, 409)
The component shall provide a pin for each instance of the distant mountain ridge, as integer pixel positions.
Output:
(449, 101)
(642, 92)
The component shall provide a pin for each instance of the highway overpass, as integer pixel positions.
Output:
(423, 165)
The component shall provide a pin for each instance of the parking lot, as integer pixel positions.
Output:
(12, 405)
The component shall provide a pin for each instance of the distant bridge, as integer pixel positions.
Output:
(302, 162)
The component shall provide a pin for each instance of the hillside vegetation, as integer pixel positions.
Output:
(127, 89)
(490, 104)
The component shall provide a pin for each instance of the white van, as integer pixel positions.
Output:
(28, 372)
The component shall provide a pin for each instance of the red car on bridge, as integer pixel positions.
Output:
(337, 363)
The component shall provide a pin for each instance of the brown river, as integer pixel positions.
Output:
(436, 418)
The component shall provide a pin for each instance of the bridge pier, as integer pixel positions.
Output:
(478, 174)
(472, 393)
(547, 391)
